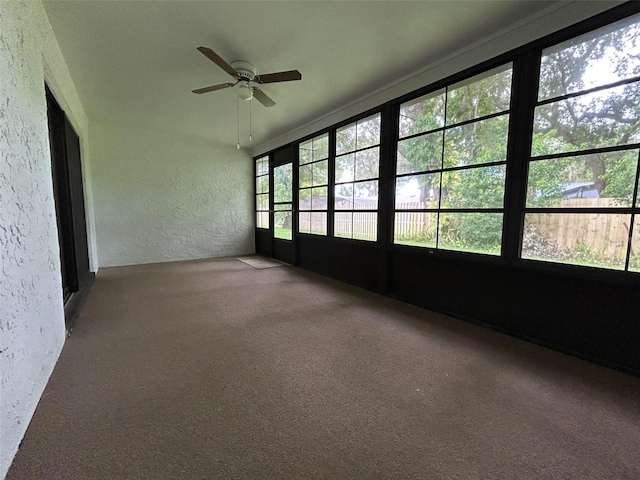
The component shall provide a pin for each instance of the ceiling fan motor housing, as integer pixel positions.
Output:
(246, 71)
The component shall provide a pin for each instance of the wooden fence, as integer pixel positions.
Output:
(363, 225)
(358, 224)
(603, 233)
(411, 224)
(313, 222)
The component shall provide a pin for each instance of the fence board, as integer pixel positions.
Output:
(603, 233)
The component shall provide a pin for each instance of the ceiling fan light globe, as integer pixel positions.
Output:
(245, 92)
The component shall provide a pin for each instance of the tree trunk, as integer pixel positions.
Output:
(598, 169)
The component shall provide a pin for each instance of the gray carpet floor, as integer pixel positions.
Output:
(213, 369)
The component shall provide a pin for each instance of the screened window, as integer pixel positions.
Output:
(313, 181)
(356, 180)
(582, 192)
(451, 164)
(262, 192)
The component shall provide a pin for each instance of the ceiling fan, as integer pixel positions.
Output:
(245, 75)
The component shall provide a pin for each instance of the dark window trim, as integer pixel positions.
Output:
(296, 146)
(357, 150)
(300, 189)
(507, 161)
(449, 210)
(456, 125)
(577, 153)
(453, 169)
(255, 189)
(356, 118)
(379, 111)
(588, 91)
(607, 18)
(368, 179)
(526, 60)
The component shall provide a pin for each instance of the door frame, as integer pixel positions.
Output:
(281, 249)
(68, 193)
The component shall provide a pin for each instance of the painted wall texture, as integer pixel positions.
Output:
(161, 197)
(32, 329)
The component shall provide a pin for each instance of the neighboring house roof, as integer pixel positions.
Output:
(580, 190)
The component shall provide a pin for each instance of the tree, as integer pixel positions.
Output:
(283, 185)
(598, 119)
(477, 143)
(352, 166)
(605, 118)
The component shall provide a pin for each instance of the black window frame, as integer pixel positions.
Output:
(283, 206)
(354, 121)
(257, 175)
(526, 62)
(444, 87)
(326, 185)
(532, 158)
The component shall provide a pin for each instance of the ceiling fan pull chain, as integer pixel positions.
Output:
(238, 120)
(250, 138)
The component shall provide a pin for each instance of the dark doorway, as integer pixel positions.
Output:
(284, 216)
(68, 195)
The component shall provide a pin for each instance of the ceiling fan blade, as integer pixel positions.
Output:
(213, 88)
(217, 59)
(263, 98)
(279, 77)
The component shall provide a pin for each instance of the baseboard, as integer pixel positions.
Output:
(551, 346)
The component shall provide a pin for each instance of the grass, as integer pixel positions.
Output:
(415, 243)
(579, 262)
(456, 248)
(283, 233)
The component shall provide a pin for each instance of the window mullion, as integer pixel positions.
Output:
(633, 216)
(523, 99)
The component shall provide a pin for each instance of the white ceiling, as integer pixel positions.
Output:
(136, 62)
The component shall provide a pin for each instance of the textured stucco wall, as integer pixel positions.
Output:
(32, 327)
(162, 197)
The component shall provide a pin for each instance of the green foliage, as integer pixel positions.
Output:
(471, 231)
(482, 95)
(284, 233)
(543, 187)
(477, 143)
(282, 183)
(606, 118)
(620, 178)
(474, 188)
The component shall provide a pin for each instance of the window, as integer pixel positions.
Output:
(262, 192)
(282, 201)
(356, 179)
(575, 192)
(451, 163)
(582, 183)
(313, 181)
